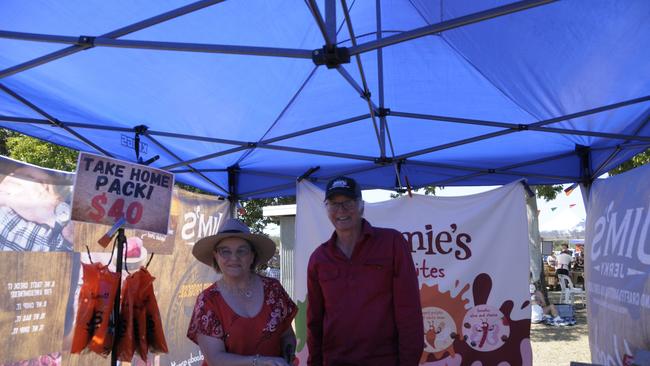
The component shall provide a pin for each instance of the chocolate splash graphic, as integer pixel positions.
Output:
(511, 351)
(431, 296)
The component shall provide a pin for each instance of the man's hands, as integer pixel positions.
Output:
(32, 200)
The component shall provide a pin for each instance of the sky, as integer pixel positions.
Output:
(562, 213)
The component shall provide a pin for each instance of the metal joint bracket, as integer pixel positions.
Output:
(141, 129)
(56, 122)
(522, 127)
(384, 161)
(582, 150)
(251, 145)
(383, 112)
(86, 41)
(366, 95)
(331, 57)
(491, 171)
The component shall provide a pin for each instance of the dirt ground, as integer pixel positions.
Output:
(558, 346)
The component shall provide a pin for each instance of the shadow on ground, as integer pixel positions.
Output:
(548, 333)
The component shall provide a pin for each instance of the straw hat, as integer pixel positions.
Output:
(234, 228)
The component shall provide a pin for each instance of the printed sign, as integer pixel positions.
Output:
(39, 291)
(34, 208)
(617, 264)
(474, 307)
(32, 303)
(107, 189)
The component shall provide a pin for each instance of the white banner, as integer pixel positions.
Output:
(471, 255)
(617, 266)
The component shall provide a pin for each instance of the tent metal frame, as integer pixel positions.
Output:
(377, 109)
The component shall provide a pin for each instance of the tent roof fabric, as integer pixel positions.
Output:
(235, 98)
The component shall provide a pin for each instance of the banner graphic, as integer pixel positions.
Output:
(617, 266)
(471, 256)
(34, 208)
(39, 291)
(34, 289)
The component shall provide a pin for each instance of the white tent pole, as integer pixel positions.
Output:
(524, 127)
(161, 45)
(168, 151)
(248, 145)
(284, 110)
(598, 171)
(521, 127)
(205, 157)
(380, 80)
(317, 128)
(506, 170)
(53, 120)
(313, 7)
(114, 34)
(448, 24)
(330, 20)
(365, 91)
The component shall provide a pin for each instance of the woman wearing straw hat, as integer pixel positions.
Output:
(243, 318)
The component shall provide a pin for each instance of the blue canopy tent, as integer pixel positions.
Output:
(241, 98)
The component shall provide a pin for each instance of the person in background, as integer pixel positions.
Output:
(363, 301)
(551, 260)
(579, 262)
(563, 261)
(243, 318)
(565, 249)
(541, 312)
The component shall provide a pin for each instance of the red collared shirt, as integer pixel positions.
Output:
(364, 310)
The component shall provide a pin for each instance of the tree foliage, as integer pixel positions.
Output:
(638, 160)
(548, 192)
(253, 215)
(41, 153)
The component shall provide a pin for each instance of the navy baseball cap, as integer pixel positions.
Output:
(343, 185)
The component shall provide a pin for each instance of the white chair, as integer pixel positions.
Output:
(568, 290)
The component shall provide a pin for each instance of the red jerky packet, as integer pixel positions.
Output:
(126, 331)
(85, 322)
(102, 339)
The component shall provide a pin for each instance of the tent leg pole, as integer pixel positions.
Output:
(121, 240)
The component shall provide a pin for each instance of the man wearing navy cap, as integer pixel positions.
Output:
(363, 301)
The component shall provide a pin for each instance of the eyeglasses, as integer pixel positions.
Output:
(226, 253)
(345, 205)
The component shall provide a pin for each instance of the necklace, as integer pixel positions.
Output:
(246, 291)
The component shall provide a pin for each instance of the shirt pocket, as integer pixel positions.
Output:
(327, 279)
(327, 272)
(379, 264)
(377, 269)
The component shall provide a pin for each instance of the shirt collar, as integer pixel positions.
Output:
(367, 231)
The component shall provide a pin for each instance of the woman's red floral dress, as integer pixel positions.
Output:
(260, 334)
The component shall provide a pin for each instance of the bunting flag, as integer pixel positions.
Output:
(570, 188)
(572, 205)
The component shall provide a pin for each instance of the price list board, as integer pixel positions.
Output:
(33, 300)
